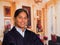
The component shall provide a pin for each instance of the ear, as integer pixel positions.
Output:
(14, 19)
(28, 19)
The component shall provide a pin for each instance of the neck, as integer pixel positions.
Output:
(23, 29)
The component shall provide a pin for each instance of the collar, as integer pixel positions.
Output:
(20, 31)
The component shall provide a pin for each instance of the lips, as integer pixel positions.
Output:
(22, 23)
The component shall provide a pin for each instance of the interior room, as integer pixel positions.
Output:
(44, 18)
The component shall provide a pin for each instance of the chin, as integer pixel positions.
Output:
(22, 26)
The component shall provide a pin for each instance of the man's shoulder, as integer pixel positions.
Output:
(8, 33)
(31, 32)
(11, 32)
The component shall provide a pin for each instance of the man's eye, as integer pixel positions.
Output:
(20, 17)
(25, 18)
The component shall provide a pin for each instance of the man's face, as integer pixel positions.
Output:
(21, 20)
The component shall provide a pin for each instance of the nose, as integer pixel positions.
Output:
(23, 19)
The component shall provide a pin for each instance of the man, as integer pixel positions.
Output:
(19, 34)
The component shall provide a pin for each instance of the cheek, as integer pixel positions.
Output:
(26, 21)
(17, 21)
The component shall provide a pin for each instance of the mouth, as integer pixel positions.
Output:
(23, 23)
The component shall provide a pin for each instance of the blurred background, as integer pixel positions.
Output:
(44, 18)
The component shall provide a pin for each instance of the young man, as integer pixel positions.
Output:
(19, 34)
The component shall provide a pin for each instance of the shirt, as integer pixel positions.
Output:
(20, 31)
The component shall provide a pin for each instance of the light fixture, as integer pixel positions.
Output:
(37, 1)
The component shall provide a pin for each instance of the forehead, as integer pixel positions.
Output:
(22, 14)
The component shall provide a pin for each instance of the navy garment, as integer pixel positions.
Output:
(13, 37)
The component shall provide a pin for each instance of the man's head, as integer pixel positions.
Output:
(21, 18)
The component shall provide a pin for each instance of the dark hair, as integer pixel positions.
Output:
(19, 11)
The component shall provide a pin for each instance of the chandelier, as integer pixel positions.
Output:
(37, 1)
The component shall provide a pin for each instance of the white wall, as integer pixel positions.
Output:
(53, 25)
(58, 17)
(49, 22)
(2, 4)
